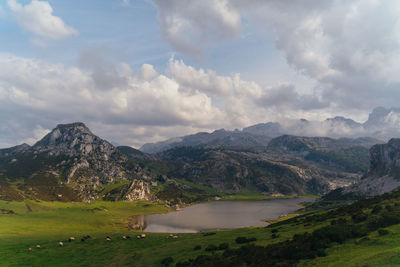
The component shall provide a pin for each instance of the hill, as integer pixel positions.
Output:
(69, 164)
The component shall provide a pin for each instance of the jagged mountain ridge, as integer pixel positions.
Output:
(382, 124)
(70, 163)
(288, 165)
(236, 171)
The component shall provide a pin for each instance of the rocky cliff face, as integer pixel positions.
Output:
(384, 173)
(73, 159)
(270, 173)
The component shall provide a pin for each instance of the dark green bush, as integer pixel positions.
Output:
(223, 246)
(198, 247)
(383, 232)
(211, 247)
(242, 239)
(167, 261)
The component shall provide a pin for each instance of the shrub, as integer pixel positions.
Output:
(242, 240)
(211, 247)
(208, 234)
(167, 261)
(223, 246)
(383, 232)
(376, 209)
(198, 247)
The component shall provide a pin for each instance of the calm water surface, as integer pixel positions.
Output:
(217, 215)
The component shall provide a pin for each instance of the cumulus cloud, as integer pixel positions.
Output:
(33, 90)
(142, 104)
(192, 27)
(350, 49)
(285, 97)
(37, 18)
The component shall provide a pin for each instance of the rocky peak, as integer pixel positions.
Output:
(384, 173)
(385, 158)
(378, 117)
(72, 139)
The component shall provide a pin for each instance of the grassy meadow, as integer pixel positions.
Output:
(26, 224)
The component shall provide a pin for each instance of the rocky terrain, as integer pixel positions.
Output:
(384, 173)
(287, 165)
(69, 163)
(72, 164)
(382, 124)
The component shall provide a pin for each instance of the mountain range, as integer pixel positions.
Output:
(72, 164)
(382, 124)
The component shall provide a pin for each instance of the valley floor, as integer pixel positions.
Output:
(24, 225)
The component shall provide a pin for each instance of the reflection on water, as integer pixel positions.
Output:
(216, 215)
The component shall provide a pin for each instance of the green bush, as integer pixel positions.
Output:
(211, 247)
(242, 240)
(167, 261)
(383, 232)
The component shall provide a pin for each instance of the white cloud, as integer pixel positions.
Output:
(192, 27)
(37, 18)
(182, 101)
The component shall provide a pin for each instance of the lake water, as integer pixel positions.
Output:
(217, 215)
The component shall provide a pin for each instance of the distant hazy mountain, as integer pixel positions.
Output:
(216, 139)
(270, 129)
(290, 143)
(382, 124)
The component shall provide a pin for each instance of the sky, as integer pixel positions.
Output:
(138, 71)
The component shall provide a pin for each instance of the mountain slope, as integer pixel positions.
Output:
(216, 139)
(384, 173)
(70, 163)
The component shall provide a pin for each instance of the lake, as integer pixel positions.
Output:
(217, 215)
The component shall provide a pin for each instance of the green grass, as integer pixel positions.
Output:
(377, 251)
(50, 222)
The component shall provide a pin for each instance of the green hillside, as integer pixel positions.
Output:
(365, 233)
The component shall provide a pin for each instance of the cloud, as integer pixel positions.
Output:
(37, 18)
(191, 28)
(47, 94)
(349, 49)
(285, 97)
(183, 100)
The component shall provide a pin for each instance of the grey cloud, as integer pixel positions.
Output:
(349, 48)
(285, 97)
(192, 26)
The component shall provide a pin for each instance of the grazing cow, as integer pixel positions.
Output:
(143, 236)
(37, 246)
(108, 238)
(71, 239)
(124, 237)
(60, 244)
(138, 237)
(174, 236)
